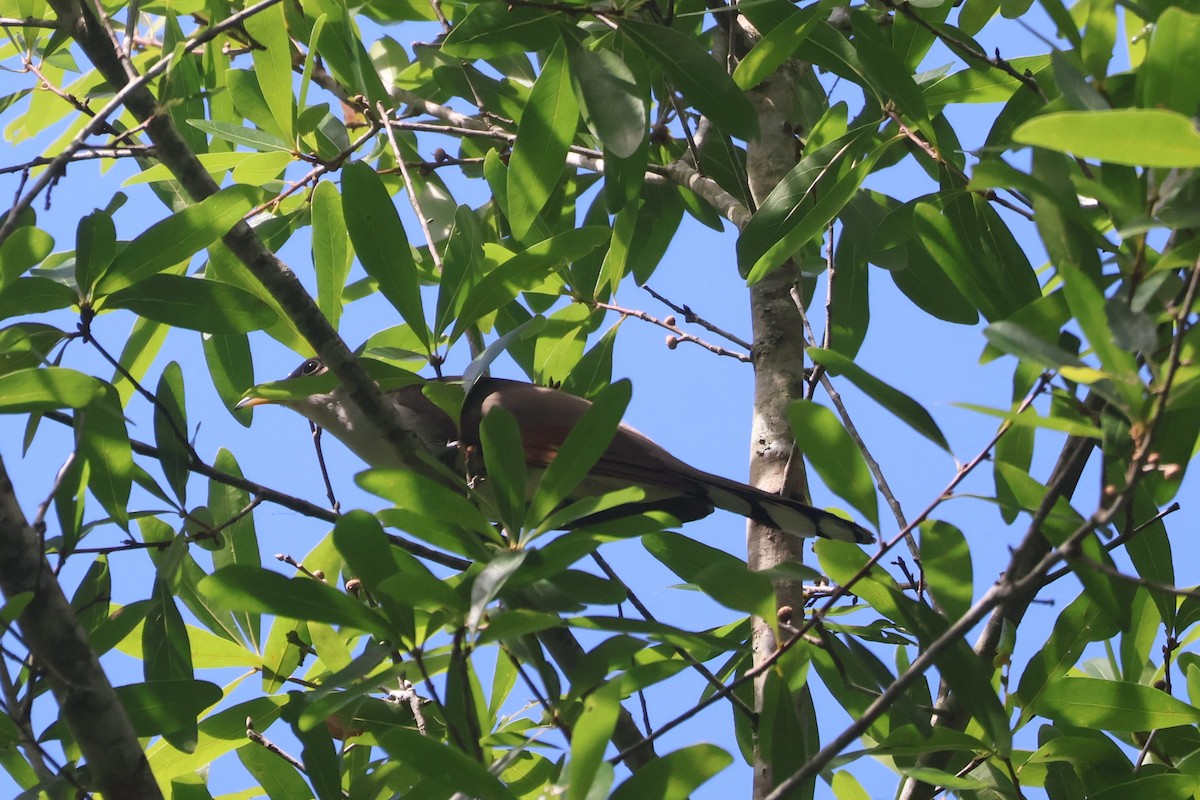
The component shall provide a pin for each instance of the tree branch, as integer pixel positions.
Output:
(86, 700)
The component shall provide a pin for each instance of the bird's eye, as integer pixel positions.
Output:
(312, 366)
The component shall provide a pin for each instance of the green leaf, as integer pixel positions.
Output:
(91, 601)
(456, 518)
(821, 437)
(215, 164)
(582, 448)
(381, 243)
(444, 765)
(95, 246)
(1137, 137)
(544, 135)
(199, 304)
(1099, 36)
(35, 295)
(330, 250)
(772, 50)
(1031, 418)
(525, 270)
(723, 577)
(170, 429)
(697, 75)
(460, 268)
(983, 86)
(971, 244)
(890, 78)
(400, 581)
(239, 134)
(231, 369)
(1087, 304)
(801, 205)
(594, 370)
(589, 738)
(105, 444)
(419, 494)
(1112, 705)
(904, 407)
(494, 29)
(504, 457)
(1014, 338)
(177, 238)
(675, 775)
(156, 707)
(946, 561)
(490, 581)
(1163, 786)
(609, 96)
(273, 66)
(43, 389)
(240, 538)
(247, 588)
(219, 733)
(616, 260)
(24, 247)
(277, 778)
(960, 667)
(168, 657)
(1163, 79)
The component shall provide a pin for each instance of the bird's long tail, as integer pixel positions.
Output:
(789, 516)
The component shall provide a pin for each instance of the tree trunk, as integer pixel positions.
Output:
(778, 379)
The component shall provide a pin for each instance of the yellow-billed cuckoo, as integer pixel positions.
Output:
(545, 417)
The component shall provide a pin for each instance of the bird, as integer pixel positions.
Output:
(544, 417)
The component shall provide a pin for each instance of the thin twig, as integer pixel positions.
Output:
(18, 713)
(71, 99)
(27, 22)
(38, 523)
(692, 318)
(820, 375)
(315, 430)
(315, 173)
(967, 49)
(85, 154)
(695, 663)
(271, 747)
(884, 488)
(125, 546)
(673, 341)
(409, 187)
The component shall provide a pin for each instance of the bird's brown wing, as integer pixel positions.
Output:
(546, 417)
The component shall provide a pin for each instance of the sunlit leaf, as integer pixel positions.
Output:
(697, 75)
(381, 243)
(157, 707)
(675, 775)
(201, 305)
(177, 238)
(445, 765)
(247, 588)
(39, 389)
(546, 130)
(839, 462)
(904, 407)
(1142, 137)
(1113, 705)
